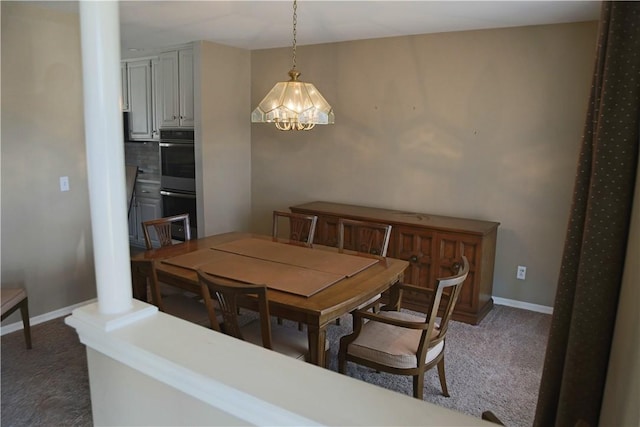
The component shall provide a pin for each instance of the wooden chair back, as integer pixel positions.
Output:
(363, 236)
(163, 226)
(302, 227)
(183, 305)
(442, 304)
(227, 293)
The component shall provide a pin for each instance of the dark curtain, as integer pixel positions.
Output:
(584, 314)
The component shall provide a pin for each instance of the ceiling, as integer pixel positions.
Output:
(268, 23)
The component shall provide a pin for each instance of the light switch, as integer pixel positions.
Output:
(64, 183)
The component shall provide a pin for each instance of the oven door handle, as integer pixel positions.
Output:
(176, 144)
(175, 194)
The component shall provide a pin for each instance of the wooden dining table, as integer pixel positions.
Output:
(334, 283)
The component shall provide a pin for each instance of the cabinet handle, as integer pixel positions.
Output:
(413, 258)
(174, 117)
(455, 267)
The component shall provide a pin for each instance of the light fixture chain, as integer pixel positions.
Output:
(293, 105)
(295, 21)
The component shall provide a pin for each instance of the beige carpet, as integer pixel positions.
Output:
(493, 366)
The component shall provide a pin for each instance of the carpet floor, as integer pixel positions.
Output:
(493, 366)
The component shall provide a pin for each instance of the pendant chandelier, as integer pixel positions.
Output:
(293, 105)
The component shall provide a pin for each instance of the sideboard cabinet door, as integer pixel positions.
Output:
(327, 231)
(451, 247)
(418, 247)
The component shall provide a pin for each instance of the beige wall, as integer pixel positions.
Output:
(478, 124)
(223, 146)
(46, 234)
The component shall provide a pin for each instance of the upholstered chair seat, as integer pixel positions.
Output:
(13, 299)
(393, 345)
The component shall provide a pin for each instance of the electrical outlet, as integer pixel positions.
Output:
(522, 272)
(64, 183)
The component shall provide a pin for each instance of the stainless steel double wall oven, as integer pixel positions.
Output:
(178, 177)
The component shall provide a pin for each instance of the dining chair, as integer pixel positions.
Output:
(364, 237)
(403, 343)
(302, 227)
(162, 228)
(13, 299)
(187, 306)
(282, 339)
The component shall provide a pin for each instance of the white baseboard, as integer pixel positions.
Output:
(44, 317)
(524, 305)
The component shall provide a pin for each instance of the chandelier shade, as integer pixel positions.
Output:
(294, 105)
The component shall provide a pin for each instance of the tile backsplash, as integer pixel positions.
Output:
(145, 155)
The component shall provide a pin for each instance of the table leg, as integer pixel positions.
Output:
(139, 282)
(317, 336)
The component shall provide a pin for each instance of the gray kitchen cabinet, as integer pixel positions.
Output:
(146, 206)
(176, 88)
(140, 100)
(133, 221)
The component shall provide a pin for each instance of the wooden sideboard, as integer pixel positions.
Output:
(432, 244)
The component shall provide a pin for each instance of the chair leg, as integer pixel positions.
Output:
(24, 310)
(443, 379)
(342, 363)
(418, 385)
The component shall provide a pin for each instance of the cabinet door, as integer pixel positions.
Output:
(327, 231)
(450, 248)
(185, 73)
(124, 90)
(139, 73)
(149, 209)
(418, 247)
(169, 97)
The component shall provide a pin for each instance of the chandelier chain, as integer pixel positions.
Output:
(295, 21)
(293, 105)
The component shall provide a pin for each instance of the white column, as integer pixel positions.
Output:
(100, 31)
